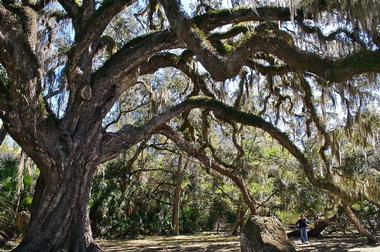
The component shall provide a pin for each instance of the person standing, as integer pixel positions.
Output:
(302, 224)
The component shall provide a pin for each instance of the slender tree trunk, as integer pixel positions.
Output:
(239, 222)
(3, 134)
(235, 228)
(59, 216)
(245, 194)
(362, 230)
(177, 196)
(20, 171)
(19, 180)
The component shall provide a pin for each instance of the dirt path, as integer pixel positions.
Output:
(222, 243)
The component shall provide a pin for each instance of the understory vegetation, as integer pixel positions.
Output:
(133, 194)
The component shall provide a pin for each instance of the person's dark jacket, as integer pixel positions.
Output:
(302, 223)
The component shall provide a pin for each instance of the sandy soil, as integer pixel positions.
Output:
(214, 242)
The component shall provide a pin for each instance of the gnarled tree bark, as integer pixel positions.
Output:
(59, 214)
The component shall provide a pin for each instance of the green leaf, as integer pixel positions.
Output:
(27, 201)
(28, 181)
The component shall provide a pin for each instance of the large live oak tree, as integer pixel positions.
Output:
(68, 149)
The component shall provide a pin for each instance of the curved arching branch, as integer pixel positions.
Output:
(334, 70)
(114, 143)
(136, 51)
(268, 70)
(353, 35)
(220, 67)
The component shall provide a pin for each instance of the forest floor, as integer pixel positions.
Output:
(198, 242)
(219, 242)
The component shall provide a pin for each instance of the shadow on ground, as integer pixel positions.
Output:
(339, 243)
(214, 242)
(201, 242)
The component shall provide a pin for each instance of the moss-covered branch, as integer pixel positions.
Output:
(266, 39)
(114, 143)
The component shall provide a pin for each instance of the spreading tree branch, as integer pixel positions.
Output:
(98, 21)
(79, 67)
(137, 52)
(115, 142)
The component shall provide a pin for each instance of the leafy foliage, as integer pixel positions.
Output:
(8, 170)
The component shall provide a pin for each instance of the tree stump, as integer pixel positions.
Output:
(22, 222)
(265, 234)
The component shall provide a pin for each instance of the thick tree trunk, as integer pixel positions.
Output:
(59, 216)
